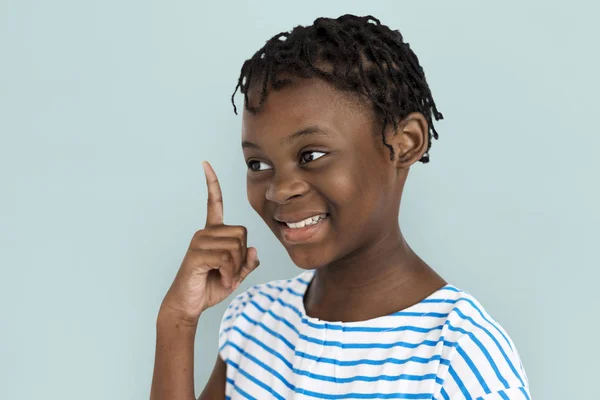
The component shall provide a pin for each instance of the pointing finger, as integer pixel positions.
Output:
(214, 212)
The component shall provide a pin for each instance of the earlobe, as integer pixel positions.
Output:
(411, 141)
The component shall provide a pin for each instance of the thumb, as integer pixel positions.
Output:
(251, 263)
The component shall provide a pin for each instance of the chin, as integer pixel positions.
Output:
(309, 257)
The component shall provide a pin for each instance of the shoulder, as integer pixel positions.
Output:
(250, 305)
(264, 294)
(482, 359)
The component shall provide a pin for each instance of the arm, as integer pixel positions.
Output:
(174, 363)
(216, 262)
(173, 377)
(215, 387)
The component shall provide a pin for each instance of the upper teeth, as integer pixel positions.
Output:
(307, 221)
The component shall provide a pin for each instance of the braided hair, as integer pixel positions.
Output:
(355, 54)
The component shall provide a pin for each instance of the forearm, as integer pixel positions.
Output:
(173, 377)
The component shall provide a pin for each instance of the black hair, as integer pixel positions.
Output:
(356, 54)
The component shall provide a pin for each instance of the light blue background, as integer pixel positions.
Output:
(108, 108)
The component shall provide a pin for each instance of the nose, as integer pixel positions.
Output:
(286, 186)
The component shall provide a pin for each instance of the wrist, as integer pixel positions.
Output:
(169, 318)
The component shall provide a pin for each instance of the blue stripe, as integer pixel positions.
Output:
(343, 328)
(364, 361)
(483, 350)
(401, 313)
(503, 395)
(449, 301)
(326, 325)
(326, 360)
(510, 364)
(524, 393)
(283, 303)
(451, 288)
(239, 390)
(326, 378)
(334, 343)
(320, 395)
(265, 367)
(309, 339)
(337, 362)
(493, 323)
(298, 294)
(275, 316)
(302, 281)
(287, 289)
(396, 314)
(367, 395)
(329, 326)
(242, 304)
(364, 378)
(264, 347)
(459, 383)
(256, 381)
(444, 394)
(471, 365)
(355, 362)
(269, 330)
(500, 393)
(283, 318)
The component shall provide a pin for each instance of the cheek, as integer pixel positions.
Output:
(347, 191)
(255, 194)
(357, 197)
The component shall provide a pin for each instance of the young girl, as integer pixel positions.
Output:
(335, 115)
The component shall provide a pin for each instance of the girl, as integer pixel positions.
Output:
(335, 114)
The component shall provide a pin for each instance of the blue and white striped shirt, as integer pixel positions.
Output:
(444, 347)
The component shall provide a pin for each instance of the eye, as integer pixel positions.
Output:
(309, 156)
(255, 165)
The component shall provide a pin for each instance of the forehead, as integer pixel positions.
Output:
(306, 102)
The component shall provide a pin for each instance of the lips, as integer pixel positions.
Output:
(308, 234)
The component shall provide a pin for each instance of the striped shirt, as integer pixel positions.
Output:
(444, 347)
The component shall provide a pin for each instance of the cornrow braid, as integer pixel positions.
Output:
(356, 54)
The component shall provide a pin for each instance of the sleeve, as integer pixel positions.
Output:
(484, 366)
(228, 322)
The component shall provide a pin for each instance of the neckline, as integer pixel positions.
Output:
(308, 276)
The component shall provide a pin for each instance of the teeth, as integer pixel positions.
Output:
(307, 221)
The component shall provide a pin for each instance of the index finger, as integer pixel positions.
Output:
(214, 211)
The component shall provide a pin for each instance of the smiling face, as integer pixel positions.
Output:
(313, 150)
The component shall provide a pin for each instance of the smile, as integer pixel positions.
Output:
(306, 222)
(303, 231)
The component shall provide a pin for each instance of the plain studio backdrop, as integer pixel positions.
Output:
(107, 109)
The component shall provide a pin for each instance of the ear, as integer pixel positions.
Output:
(410, 141)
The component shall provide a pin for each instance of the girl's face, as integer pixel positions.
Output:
(311, 151)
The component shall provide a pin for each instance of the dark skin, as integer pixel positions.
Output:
(364, 266)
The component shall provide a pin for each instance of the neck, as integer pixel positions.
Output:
(382, 277)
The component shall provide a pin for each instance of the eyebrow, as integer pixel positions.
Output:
(308, 131)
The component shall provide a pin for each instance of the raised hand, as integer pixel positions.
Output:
(216, 262)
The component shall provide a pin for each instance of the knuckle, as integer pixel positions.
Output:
(199, 233)
(225, 256)
(236, 243)
(215, 199)
(240, 230)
